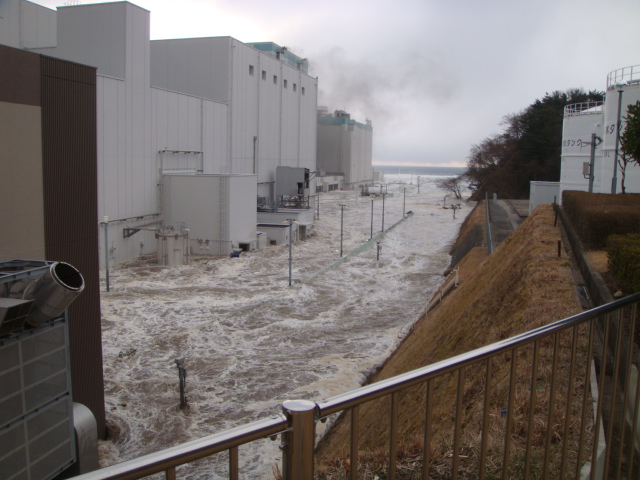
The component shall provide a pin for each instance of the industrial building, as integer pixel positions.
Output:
(595, 124)
(344, 147)
(199, 106)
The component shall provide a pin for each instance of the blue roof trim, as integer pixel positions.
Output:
(343, 121)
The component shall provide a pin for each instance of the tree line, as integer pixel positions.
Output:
(527, 150)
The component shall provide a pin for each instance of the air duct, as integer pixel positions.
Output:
(51, 293)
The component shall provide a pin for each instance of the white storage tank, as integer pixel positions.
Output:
(173, 245)
(581, 120)
(623, 88)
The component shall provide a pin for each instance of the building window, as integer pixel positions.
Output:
(295, 87)
(285, 83)
(250, 69)
(264, 75)
(302, 90)
(275, 79)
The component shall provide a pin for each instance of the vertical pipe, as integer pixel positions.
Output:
(569, 405)
(106, 247)
(636, 403)
(299, 440)
(627, 383)
(533, 396)
(355, 433)
(457, 433)
(426, 447)
(485, 419)
(393, 435)
(233, 463)
(614, 180)
(509, 426)
(585, 399)
(612, 415)
(598, 419)
(552, 393)
(592, 161)
(170, 473)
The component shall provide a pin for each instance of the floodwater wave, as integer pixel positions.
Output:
(250, 341)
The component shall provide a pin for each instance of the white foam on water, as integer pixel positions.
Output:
(251, 341)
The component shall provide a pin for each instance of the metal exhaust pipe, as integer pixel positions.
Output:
(53, 292)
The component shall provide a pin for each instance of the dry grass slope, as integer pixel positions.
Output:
(522, 286)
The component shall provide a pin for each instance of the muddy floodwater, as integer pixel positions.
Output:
(250, 341)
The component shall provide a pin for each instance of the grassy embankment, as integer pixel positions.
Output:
(522, 286)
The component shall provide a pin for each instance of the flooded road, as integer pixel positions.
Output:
(250, 341)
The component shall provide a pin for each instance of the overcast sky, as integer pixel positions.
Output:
(433, 76)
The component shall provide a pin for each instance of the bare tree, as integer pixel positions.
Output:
(455, 185)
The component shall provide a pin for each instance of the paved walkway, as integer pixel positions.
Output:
(504, 219)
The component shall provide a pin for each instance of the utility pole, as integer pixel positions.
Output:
(341, 225)
(372, 198)
(404, 201)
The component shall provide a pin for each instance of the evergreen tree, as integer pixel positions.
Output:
(528, 149)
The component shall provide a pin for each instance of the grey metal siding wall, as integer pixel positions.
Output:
(68, 95)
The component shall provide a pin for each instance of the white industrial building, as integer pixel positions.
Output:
(582, 169)
(345, 147)
(214, 107)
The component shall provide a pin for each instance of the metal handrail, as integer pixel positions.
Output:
(622, 76)
(584, 108)
(166, 460)
(385, 387)
(297, 424)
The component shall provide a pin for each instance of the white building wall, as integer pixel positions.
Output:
(243, 215)
(27, 25)
(195, 66)
(226, 215)
(186, 124)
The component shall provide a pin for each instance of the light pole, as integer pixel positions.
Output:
(372, 198)
(290, 243)
(182, 376)
(404, 200)
(383, 195)
(341, 225)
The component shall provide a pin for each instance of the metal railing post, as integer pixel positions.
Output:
(297, 457)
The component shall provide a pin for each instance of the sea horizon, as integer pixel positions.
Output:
(420, 170)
